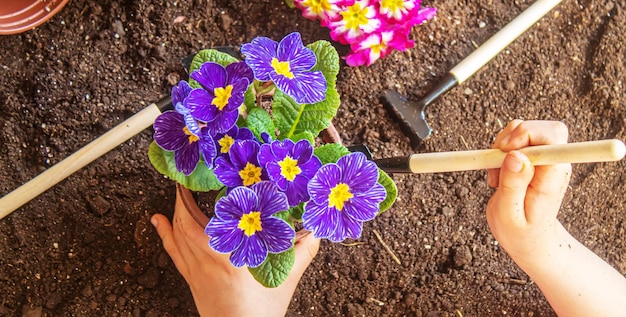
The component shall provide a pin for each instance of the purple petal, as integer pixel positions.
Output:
(291, 49)
(309, 168)
(239, 70)
(168, 131)
(346, 227)
(242, 152)
(304, 88)
(277, 235)
(365, 205)
(271, 200)
(259, 54)
(281, 149)
(187, 158)
(359, 173)
(319, 219)
(327, 177)
(199, 101)
(180, 92)
(296, 191)
(252, 252)
(223, 122)
(207, 148)
(239, 201)
(303, 150)
(227, 173)
(266, 155)
(236, 97)
(245, 134)
(225, 236)
(210, 76)
(273, 171)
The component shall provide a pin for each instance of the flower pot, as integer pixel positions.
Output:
(17, 16)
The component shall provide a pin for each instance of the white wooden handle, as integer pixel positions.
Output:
(87, 154)
(580, 152)
(488, 50)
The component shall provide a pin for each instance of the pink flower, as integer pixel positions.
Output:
(324, 10)
(377, 45)
(357, 19)
(398, 9)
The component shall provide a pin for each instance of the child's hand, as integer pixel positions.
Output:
(522, 217)
(522, 212)
(218, 288)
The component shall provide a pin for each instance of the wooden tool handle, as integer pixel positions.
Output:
(98, 147)
(580, 152)
(488, 50)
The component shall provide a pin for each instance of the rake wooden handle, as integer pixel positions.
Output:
(497, 42)
(87, 154)
(579, 152)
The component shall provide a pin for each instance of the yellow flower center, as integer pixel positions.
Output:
(289, 168)
(392, 5)
(317, 6)
(251, 174)
(355, 16)
(192, 137)
(225, 143)
(282, 68)
(222, 95)
(250, 223)
(339, 195)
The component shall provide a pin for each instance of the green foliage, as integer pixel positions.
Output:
(202, 178)
(330, 153)
(258, 121)
(275, 269)
(390, 188)
(291, 118)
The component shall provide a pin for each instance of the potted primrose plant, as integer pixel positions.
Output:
(271, 178)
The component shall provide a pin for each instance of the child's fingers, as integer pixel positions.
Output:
(546, 191)
(509, 199)
(306, 248)
(529, 133)
(165, 231)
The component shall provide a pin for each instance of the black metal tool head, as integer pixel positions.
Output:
(410, 115)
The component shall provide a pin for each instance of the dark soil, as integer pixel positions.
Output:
(85, 247)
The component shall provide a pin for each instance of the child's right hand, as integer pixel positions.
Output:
(522, 212)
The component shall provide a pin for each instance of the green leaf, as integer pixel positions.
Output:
(390, 188)
(202, 179)
(275, 269)
(258, 121)
(297, 211)
(327, 61)
(306, 135)
(290, 4)
(330, 153)
(209, 55)
(291, 118)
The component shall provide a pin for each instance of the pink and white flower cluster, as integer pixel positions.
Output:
(372, 28)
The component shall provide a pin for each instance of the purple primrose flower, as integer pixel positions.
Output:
(244, 224)
(343, 196)
(290, 166)
(288, 64)
(223, 141)
(172, 134)
(243, 168)
(218, 101)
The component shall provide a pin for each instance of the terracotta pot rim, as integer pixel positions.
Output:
(191, 205)
(20, 15)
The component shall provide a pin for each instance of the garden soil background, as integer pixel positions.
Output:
(86, 248)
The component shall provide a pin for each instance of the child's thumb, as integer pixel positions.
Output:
(515, 176)
(306, 249)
